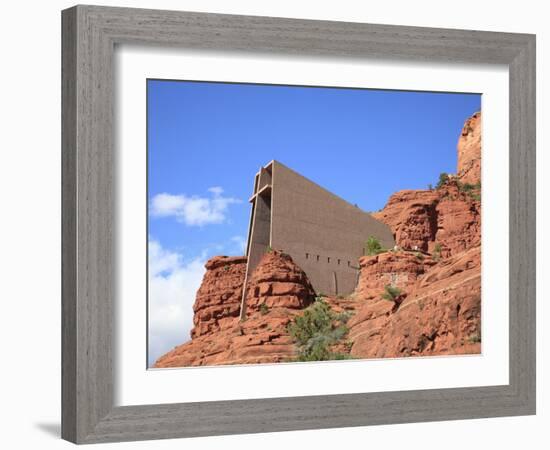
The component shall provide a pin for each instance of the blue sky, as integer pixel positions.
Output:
(207, 140)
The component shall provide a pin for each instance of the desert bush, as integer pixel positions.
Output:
(316, 330)
(391, 293)
(436, 254)
(468, 187)
(443, 180)
(419, 256)
(373, 246)
(264, 309)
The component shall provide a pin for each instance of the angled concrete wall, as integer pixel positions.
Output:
(324, 234)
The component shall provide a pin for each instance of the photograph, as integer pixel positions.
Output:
(291, 224)
(266, 225)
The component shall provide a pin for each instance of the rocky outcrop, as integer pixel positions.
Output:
(440, 315)
(412, 217)
(218, 299)
(261, 338)
(278, 283)
(458, 220)
(277, 290)
(448, 216)
(469, 151)
(397, 268)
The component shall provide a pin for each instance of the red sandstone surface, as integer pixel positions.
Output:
(278, 283)
(220, 337)
(446, 216)
(436, 266)
(440, 314)
(469, 150)
(218, 299)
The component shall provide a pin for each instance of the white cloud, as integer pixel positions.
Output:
(173, 284)
(193, 210)
(216, 190)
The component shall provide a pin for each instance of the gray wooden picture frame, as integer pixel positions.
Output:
(90, 34)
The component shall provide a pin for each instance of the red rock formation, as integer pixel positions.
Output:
(278, 282)
(219, 337)
(458, 221)
(218, 299)
(444, 216)
(440, 315)
(469, 151)
(399, 268)
(438, 311)
(450, 215)
(412, 217)
(258, 339)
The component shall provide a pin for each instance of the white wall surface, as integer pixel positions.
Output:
(30, 261)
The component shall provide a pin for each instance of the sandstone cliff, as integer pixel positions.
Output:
(469, 151)
(278, 290)
(449, 216)
(433, 307)
(218, 299)
(439, 314)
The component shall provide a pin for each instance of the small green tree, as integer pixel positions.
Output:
(466, 187)
(436, 254)
(373, 246)
(264, 309)
(443, 179)
(316, 330)
(391, 293)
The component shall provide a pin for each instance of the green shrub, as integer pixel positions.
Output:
(436, 254)
(373, 246)
(391, 293)
(316, 330)
(474, 338)
(264, 309)
(443, 180)
(268, 249)
(471, 189)
(466, 187)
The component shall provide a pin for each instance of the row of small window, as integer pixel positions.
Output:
(318, 258)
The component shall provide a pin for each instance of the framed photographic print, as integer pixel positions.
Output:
(256, 207)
